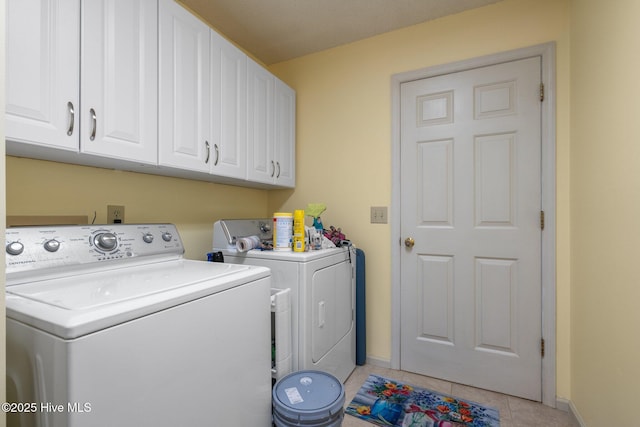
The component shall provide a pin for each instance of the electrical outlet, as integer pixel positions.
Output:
(115, 214)
(378, 215)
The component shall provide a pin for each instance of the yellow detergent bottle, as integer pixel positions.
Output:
(298, 230)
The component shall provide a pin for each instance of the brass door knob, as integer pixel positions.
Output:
(409, 242)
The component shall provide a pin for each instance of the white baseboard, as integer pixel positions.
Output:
(382, 363)
(575, 419)
(562, 404)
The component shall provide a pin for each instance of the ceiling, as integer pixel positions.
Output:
(278, 30)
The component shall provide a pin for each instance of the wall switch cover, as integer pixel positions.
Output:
(379, 215)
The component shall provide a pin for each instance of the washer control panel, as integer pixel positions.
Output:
(31, 249)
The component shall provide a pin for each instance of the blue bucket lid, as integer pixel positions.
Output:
(308, 395)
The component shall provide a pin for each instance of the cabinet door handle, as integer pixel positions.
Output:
(215, 147)
(278, 174)
(273, 168)
(208, 147)
(72, 117)
(94, 124)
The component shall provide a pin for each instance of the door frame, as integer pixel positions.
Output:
(548, 164)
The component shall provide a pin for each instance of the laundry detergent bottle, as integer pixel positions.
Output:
(298, 230)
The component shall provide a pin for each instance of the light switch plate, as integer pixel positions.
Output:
(379, 215)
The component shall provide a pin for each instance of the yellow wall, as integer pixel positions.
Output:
(37, 187)
(605, 210)
(344, 134)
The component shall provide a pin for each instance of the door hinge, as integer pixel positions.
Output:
(541, 220)
(541, 347)
(541, 91)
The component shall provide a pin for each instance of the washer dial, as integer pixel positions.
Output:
(51, 245)
(106, 241)
(15, 248)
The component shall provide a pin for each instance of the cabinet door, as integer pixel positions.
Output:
(184, 139)
(42, 73)
(228, 108)
(261, 163)
(119, 67)
(285, 134)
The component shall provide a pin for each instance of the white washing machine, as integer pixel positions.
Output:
(322, 294)
(110, 326)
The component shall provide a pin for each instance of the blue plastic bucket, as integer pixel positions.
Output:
(309, 399)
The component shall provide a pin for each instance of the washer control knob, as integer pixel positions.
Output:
(147, 237)
(51, 245)
(106, 241)
(166, 236)
(15, 248)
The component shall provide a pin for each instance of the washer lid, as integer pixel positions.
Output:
(91, 290)
(76, 305)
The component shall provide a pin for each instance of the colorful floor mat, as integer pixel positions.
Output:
(386, 402)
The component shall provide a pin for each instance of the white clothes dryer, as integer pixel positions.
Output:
(109, 325)
(322, 293)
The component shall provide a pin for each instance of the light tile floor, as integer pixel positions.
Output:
(514, 412)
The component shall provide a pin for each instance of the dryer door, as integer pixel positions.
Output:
(332, 308)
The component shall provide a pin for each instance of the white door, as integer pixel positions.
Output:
(42, 72)
(185, 136)
(470, 200)
(119, 85)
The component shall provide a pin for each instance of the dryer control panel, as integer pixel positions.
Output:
(39, 250)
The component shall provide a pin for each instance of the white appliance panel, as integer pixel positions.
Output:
(37, 253)
(161, 369)
(331, 307)
(109, 325)
(339, 359)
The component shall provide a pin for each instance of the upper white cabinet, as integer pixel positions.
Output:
(203, 98)
(43, 73)
(285, 134)
(83, 79)
(260, 136)
(228, 108)
(271, 128)
(119, 79)
(185, 123)
(143, 85)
